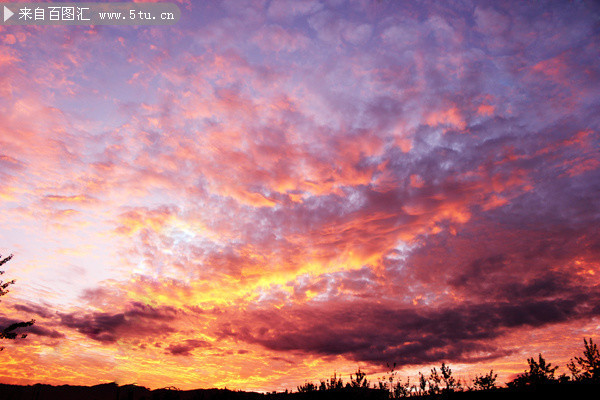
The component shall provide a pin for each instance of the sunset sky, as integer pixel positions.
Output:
(268, 191)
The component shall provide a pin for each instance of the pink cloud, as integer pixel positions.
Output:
(275, 38)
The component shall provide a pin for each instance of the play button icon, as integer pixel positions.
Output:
(7, 13)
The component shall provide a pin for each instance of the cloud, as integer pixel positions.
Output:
(185, 348)
(290, 8)
(275, 38)
(137, 320)
(68, 199)
(39, 330)
(97, 326)
(382, 333)
(42, 311)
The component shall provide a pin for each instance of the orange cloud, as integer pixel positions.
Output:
(450, 116)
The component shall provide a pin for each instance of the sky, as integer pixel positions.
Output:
(270, 191)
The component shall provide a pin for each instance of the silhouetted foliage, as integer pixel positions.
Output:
(422, 384)
(335, 383)
(539, 372)
(307, 387)
(451, 383)
(393, 384)
(440, 384)
(586, 368)
(4, 285)
(359, 380)
(433, 382)
(10, 332)
(485, 382)
(437, 382)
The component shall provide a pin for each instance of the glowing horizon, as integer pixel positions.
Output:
(270, 191)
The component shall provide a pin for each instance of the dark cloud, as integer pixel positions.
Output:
(98, 326)
(381, 333)
(137, 320)
(185, 348)
(30, 308)
(40, 330)
(140, 310)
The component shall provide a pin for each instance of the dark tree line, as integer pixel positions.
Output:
(584, 369)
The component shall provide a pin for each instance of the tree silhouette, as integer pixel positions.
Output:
(322, 385)
(449, 381)
(485, 382)
(307, 387)
(335, 382)
(434, 382)
(586, 368)
(10, 332)
(393, 384)
(359, 380)
(422, 384)
(539, 372)
(440, 383)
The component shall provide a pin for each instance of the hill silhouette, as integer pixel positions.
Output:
(112, 391)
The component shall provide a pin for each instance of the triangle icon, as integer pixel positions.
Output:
(7, 13)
